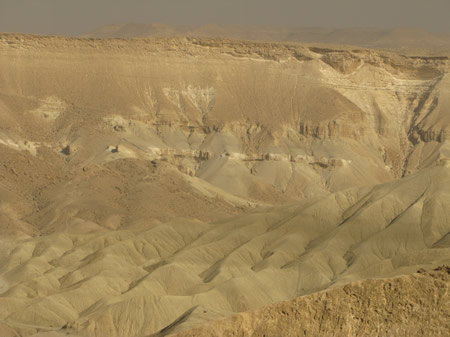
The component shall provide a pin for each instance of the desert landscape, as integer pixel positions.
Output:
(162, 180)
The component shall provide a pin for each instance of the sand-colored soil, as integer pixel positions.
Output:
(150, 186)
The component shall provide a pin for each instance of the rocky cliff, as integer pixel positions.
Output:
(240, 123)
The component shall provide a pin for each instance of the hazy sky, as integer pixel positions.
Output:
(74, 17)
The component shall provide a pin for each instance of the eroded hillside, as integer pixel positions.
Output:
(180, 274)
(107, 134)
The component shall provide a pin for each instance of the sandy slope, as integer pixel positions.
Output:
(126, 283)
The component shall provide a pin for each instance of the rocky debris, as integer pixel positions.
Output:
(203, 155)
(119, 128)
(113, 149)
(66, 150)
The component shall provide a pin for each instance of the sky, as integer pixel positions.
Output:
(75, 17)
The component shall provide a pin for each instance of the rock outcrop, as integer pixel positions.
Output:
(413, 305)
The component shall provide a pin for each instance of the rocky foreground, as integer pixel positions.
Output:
(412, 305)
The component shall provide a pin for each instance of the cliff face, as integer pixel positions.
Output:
(251, 122)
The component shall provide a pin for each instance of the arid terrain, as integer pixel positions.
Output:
(152, 186)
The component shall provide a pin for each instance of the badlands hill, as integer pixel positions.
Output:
(148, 186)
(177, 275)
(403, 39)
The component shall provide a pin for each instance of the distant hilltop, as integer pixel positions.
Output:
(399, 38)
